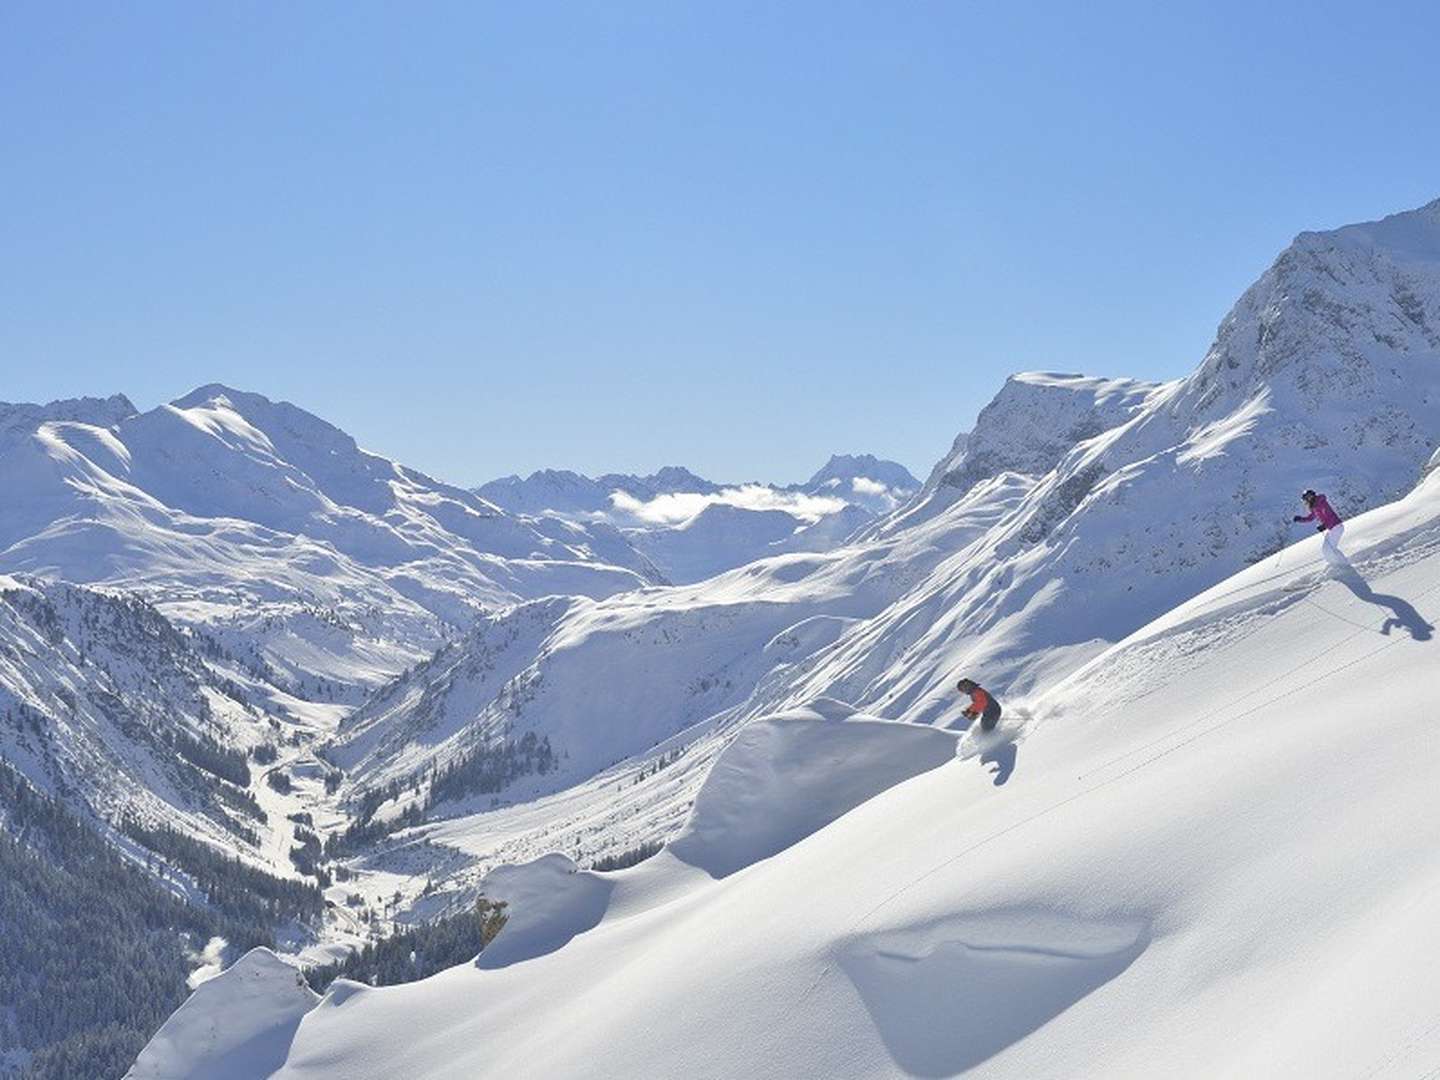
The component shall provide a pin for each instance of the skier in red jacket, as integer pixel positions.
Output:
(1328, 522)
(982, 704)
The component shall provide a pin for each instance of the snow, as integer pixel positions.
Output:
(549, 902)
(235, 1026)
(692, 528)
(689, 653)
(250, 516)
(788, 776)
(1214, 857)
(1200, 843)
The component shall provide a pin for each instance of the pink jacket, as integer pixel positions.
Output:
(1320, 510)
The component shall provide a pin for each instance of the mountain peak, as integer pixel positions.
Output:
(677, 478)
(215, 393)
(849, 467)
(99, 412)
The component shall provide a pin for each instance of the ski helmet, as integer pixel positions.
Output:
(1308, 495)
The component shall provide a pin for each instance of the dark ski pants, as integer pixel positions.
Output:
(991, 716)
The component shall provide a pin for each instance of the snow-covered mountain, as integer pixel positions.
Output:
(570, 495)
(109, 706)
(1074, 512)
(596, 665)
(692, 528)
(1207, 852)
(274, 530)
(603, 680)
(1027, 428)
(863, 480)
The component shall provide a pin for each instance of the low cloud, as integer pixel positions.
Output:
(679, 507)
(874, 494)
(863, 485)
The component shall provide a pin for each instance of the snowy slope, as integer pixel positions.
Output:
(265, 523)
(234, 1027)
(103, 702)
(605, 680)
(1326, 374)
(1213, 851)
(1113, 501)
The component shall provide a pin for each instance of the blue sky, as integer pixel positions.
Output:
(491, 238)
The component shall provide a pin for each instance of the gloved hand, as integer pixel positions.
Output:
(1297, 517)
(1319, 528)
(970, 714)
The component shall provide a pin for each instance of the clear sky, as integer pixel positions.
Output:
(488, 238)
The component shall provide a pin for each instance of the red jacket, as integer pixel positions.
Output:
(979, 699)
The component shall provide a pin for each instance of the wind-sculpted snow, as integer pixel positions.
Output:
(548, 902)
(785, 777)
(948, 994)
(236, 1026)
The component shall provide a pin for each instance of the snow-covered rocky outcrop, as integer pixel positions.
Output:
(1027, 428)
(237, 1026)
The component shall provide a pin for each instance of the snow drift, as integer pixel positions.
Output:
(785, 777)
(236, 1026)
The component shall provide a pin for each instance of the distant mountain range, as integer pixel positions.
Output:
(245, 515)
(693, 528)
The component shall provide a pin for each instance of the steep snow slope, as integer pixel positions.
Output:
(1030, 425)
(1326, 375)
(1214, 852)
(234, 1027)
(105, 703)
(257, 518)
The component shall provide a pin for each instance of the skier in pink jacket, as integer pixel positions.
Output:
(1328, 522)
